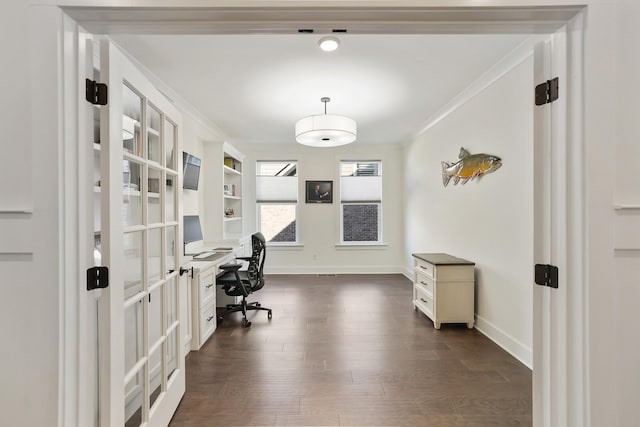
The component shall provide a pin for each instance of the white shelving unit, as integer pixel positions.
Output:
(232, 193)
(223, 174)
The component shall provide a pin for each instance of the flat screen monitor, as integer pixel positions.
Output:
(191, 171)
(192, 229)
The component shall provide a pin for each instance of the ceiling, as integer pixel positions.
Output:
(255, 87)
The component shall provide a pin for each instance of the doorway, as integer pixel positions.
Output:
(432, 20)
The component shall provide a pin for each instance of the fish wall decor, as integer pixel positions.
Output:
(469, 166)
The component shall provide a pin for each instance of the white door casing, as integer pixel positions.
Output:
(560, 380)
(574, 397)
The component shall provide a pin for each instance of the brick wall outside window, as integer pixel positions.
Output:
(360, 223)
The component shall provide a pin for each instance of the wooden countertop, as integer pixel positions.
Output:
(442, 259)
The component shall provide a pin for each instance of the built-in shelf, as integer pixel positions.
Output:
(152, 131)
(130, 192)
(232, 197)
(235, 218)
(127, 155)
(96, 146)
(227, 169)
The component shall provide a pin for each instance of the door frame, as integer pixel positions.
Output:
(246, 18)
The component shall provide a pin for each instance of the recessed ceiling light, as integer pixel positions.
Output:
(329, 44)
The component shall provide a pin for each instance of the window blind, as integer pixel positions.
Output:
(358, 189)
(277, 189)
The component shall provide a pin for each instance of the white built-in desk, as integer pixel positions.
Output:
(443, 288)
(203, 296)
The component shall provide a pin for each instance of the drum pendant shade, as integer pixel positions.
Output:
(326, 130)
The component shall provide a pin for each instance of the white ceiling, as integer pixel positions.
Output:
(255, 87)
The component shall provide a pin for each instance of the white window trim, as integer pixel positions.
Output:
(342, 244)
(294, 245)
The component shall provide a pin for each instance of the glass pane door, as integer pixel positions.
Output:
(146, 369)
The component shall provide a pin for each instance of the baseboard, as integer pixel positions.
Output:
(408, 273)
(364, 269)
(512, 346)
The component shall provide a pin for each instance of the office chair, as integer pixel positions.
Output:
(236, 282)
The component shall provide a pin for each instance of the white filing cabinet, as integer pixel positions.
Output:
(443, 288)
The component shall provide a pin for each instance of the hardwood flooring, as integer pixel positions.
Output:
(350, 350)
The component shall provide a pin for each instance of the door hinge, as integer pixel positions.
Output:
(547, 92)
(96, 93)
(546, 275)
(97, 278)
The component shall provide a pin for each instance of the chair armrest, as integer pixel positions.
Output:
(244, 258)
(230, 267)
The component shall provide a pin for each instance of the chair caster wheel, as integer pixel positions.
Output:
(246, 323)
(258, 304)
(269, 315)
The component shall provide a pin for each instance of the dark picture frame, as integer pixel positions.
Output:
(319, 191)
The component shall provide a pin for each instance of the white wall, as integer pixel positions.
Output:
(625, 285)
(195, 135)
(31, 280)
(319, 224)
(487, 221)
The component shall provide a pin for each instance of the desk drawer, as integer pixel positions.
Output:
(425, 282)
(207, 286)
(208, 321)
(424, 301)
(424, 267)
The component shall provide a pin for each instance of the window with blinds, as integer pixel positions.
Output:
(361, 201)
(277, 200)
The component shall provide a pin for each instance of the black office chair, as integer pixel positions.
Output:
(236, 282)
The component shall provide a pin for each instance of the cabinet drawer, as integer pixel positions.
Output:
(424, 300)
(424, 267)
(208, 322)
(425, 282)
(207, 286)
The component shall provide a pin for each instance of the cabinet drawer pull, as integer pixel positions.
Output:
(423, 300)
(209, 318)
(426, 284)
(423, 267)
(208, 286)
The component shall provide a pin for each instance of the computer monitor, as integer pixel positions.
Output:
(192, 229)
(191, 171)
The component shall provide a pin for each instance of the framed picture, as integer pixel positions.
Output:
(227, 190)
(319, 191)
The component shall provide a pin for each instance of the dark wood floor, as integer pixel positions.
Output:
(350, 351)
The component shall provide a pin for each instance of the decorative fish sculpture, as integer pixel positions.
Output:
(469, 166)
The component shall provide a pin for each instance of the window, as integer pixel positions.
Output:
(277, 200)
(361, 201)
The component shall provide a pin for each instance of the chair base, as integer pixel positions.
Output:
(244, 306)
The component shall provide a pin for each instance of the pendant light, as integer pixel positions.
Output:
(326, 130)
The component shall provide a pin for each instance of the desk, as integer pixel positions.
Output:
(203, 297)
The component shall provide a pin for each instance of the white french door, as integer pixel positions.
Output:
(141, 360)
